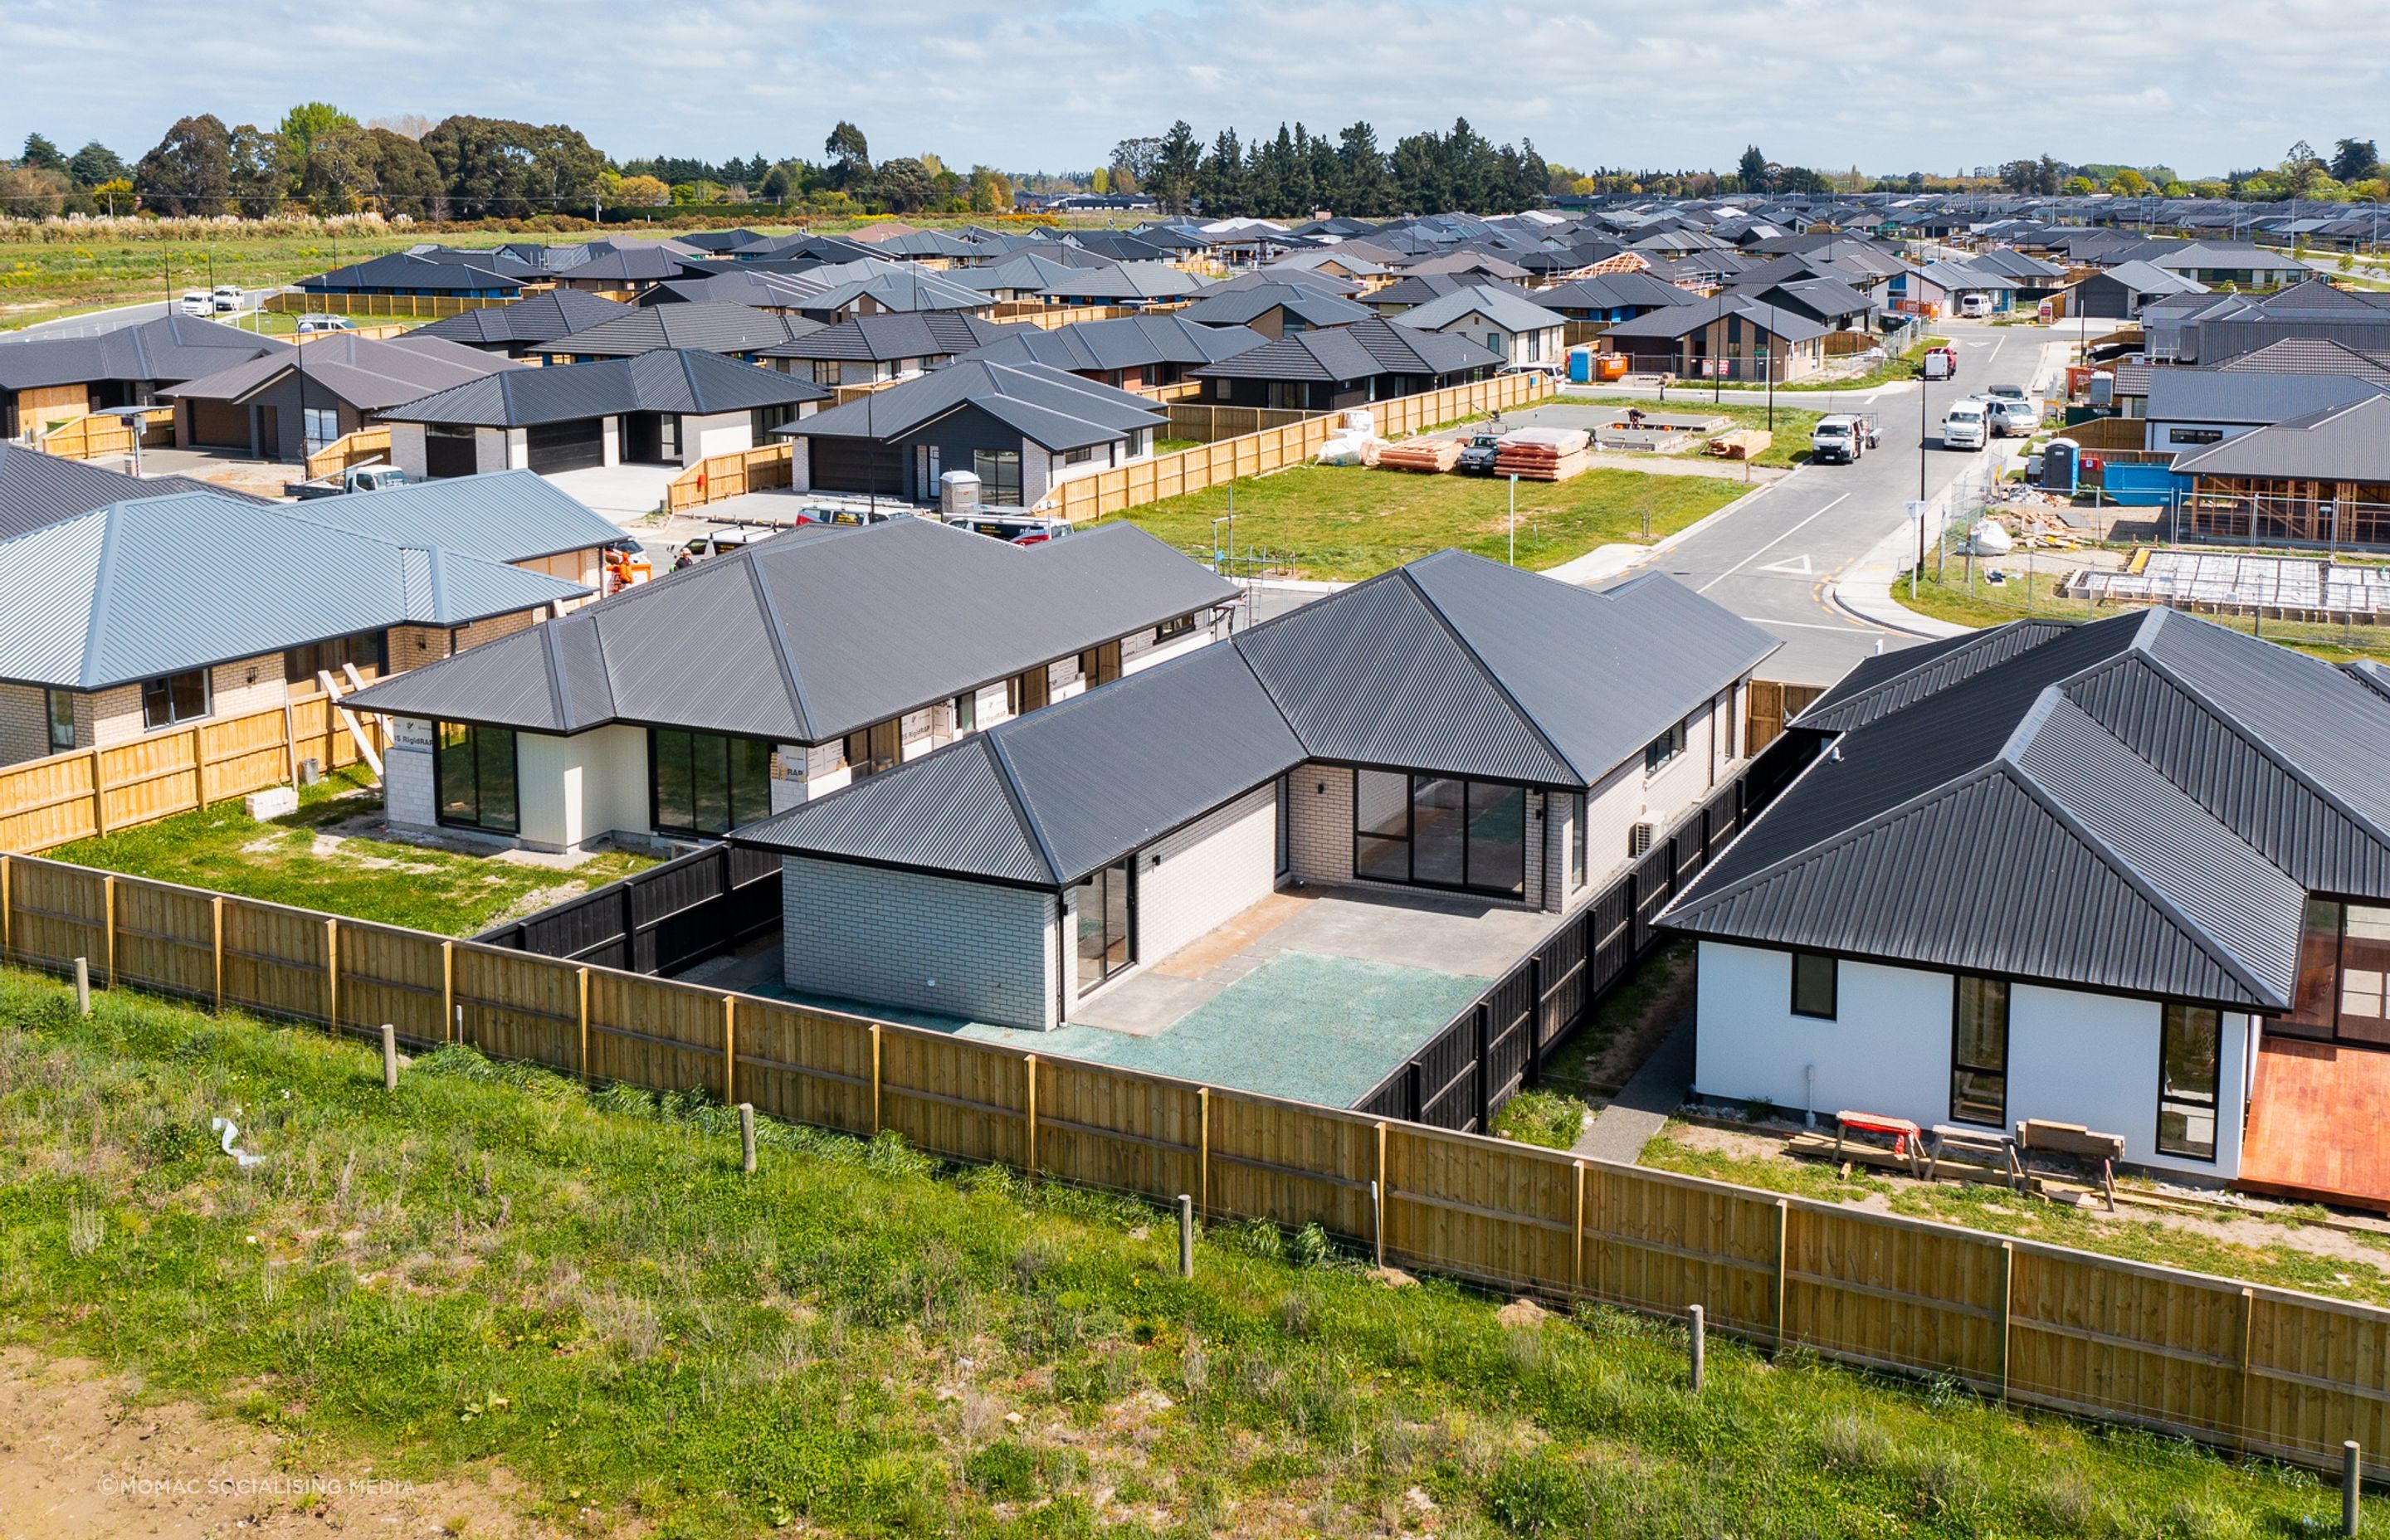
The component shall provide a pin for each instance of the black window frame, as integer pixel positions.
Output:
(51, 700)
(2174, 1017)
(966, 709)
(1834, 985)
(738, 752)
(1665, 749)
(989, 466)
(1170, 630)
(1097, 892)
(480, 818)
(1960, 1066)
(1409, 839)
(160, 692)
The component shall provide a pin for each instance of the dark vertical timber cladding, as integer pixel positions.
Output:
(660, 920)
(1492, 1050)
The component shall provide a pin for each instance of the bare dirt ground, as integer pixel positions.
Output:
(83, 1457)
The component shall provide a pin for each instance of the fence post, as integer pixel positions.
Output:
(1378, 1199)
(1029, 1140)
(2351, 1477)
(83, 986)
(1203, 1148)
(388, 1056)
(1484, 1069)
(1413, 1090)
(198, 771)
(7, 919)
(98, 798)
(730, 1046)
(875, 1077)
(215, 917)
(2241, 1392)
(1698, 1319)
(108, 901)
(1186, 1235)
(1535, 1019)
(1776, 1295)
(581, 1061)
(747, 1137)
(449, 993)
(2007, 1290)
(1576, 1245)
(332, 975)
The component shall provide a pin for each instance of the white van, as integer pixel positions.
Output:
(1963, 427)
(227, 298)
(197, 302)
(1974, 306)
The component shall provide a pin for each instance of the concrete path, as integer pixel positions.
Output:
(1619, 1131)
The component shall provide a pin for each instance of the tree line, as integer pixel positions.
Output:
(1295, 171)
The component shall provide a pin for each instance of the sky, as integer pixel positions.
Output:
(1888, 87)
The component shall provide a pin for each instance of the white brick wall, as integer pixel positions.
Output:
(1319, 823)
(880, 937)
(407, 792)
(1191, 883)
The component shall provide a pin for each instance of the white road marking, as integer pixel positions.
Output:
(1805, 625)
(1771, 546)
(1797, 566)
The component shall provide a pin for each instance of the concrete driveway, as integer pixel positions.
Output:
(625, 493)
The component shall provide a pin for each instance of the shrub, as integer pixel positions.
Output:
(1537, 1495)
(1545, 1118)
(1005, 1471)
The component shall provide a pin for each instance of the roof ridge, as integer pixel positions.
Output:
(1007, 777)
(554, 671)
(779, 642)
(103, 571)
(2107, 853)
(1470, 648)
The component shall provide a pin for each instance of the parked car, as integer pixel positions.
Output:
(720, 542)
(196, 302)
(227, 298)
(1478, 458)
(2010, 418)
(1021, 528)
(1965, 426)
(1837, 440)
(1940, 364)
(357, 478)
(311, 324)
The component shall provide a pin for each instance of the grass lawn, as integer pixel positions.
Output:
(1347, 522)
(289, 861)
(1947, 598)
(495, 1268)
(1788, 446)
(40, 280)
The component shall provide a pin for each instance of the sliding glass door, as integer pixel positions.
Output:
(1440, 831)
(1105, 913)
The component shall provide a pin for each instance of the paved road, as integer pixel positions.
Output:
(93, 322)
(1775, 559)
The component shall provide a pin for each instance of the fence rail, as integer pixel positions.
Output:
(719, 476)
(2254, 1369)
(365, 446)
(431, 305)
(99, 434)
(88, 792)
(658, 920)
(1271, 449)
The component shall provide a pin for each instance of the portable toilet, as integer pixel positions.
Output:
(1581, 364)
(2060, 465)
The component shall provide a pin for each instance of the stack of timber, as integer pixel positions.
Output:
(1744, 444)
(1424, 455)
(1542, 454)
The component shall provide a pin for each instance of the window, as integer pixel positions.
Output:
(1979, 1051)
(1815, 975)
(60, 704)
(966, 712)
(875, 748)
(925, 470)
(999, 476)
(1285, 862)
(1080, 455)
(1028, 690)
(1578, 837)
(1100, 665)
(474, 777)
(1661, 749)
(1105, 913)
(702, 783)
(2190, 1041)
(2316, 1000)
(1170, 630)
(2194, 435)
(1440, 831)
(323, 425)
(769, 418)
(176, 697)
(368, 651)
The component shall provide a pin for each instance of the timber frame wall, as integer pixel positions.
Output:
(2257, 1370)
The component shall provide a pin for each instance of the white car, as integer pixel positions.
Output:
(227, 298)
(311, 324)
(1965, 426)
(2009, 418)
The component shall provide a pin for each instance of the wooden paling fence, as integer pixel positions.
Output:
(366, 446)
(98, 435)
(1209, 424)
(1768, 705)
(87, 792)
(431, 305)
(1037, 312)
(719, 476)
(1257, 453)
(2258, 1370)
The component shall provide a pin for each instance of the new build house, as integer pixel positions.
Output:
(1371, 359)
(1516, 330)
(288, 404)
(672, 406)
(1454, 726)
(2131, 874)
(160, 611)
(757, 680)
(46, 379)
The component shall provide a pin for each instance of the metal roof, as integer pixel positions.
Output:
(1313, 305)
(2140, 803)
(1051, 406)
(535, 318)
(2180, 394)
(1452, 665)
(714, 325)
(365, 373)
(809, 635)
(436, 268)
(900, 334)
(160, 584)
(2346, 443)
(166, 350)
(1127, 280)
(498, 516)
(670, 380)
(1504, 307)
(1123, 342)
(37, 489)
(1368, 347)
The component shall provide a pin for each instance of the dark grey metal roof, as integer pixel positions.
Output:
(1309, 303)
(807, 636)
(166, 350)
(1127, 280)
(1452, 665)
(672, 380)
(1051, 406)
(432, 269)
(1366, 349)
(2347, 443)
(2250, 396)
(2138, 803)
(536, 319)
(900, 334)
(37, 489)
(361, 371)
(1497, 302)
(1124, 342)
(710, 325)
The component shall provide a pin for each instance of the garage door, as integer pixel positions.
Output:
(567, 446)
(449, 455)
(220, 425)
(852, 465)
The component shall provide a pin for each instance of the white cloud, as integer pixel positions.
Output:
(1888, 86)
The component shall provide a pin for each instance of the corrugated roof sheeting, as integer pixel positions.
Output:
(951, 812)
(1895, 681)
(499, 516)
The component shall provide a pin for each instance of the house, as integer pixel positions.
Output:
(2119, 292)
(2191, 408)
(1408, 293)
(734, 330)
(1277, 310)
(2320, 477)
(866, 348)
(519, 330)
(1021, 428)
(1327, 369)
(1467, 264)
(1133, 283)
(47, 380)
(2237, 265)
(1129, 352)
(1831, 302)
(432, 270)
(158, 613)
(619, 270)
(1028, 276)
(674, 406)
(757, 680)
(288, 404)
(1608, 297)
(37, 489)
(2100, 873)
(1941, 288)
(1452, 727)
(1730, 335)
(1515, 329)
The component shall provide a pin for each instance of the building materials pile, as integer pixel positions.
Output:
(1543, 454)
(1421, 454)
(1744, 444)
